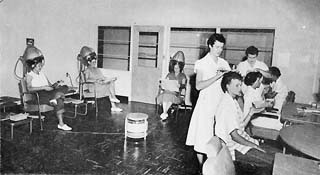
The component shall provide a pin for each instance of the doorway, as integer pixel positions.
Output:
(147, 56)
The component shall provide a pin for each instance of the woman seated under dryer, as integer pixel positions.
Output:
(104, 86)
(171, 96)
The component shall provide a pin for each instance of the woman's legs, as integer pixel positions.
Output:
(114, 108)
(113, 97)
(165, 106)
(59, 113)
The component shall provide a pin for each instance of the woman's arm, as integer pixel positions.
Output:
(202, 84)
(239, 139)
(263, 72)
(31, 89)
(247, 118)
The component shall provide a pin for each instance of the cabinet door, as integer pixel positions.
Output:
(147, 56)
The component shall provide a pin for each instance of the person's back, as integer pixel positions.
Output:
(219, 160)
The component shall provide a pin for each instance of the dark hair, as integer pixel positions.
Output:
(275, 71)
(172, 63)
(252, 51)
(181, 65)
(214, 37)
(89, 58)
(252, 77)
(227, 77)
(31, 63)
(266, 81)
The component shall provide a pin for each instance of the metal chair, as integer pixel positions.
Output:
(27, 96)
(85, 94)
(175, 107)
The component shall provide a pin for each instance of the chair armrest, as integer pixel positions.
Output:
(87, 83)
(33, 93)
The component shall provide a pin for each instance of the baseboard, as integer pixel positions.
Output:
(123, 99)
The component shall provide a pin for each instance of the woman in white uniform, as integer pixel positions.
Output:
(209, 71)
(250, 64)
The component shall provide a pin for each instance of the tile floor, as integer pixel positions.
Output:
(98, 146)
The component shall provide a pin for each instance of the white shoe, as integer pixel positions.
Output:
(65, 127)
(116, 109)
(164, 116)
(114, 100)
(53, 102)
(35, 116)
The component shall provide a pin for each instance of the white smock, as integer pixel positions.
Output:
(202, 121)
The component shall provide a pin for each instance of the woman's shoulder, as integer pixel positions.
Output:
(182, 75)
(170, 76)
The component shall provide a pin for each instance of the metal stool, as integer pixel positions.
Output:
(136, 125)
(76, 103)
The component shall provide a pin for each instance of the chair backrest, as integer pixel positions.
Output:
(23, 90)
(26, 97)
(84, 86)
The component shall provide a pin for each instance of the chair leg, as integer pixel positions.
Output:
(156, 107)
(40, 120)
(177, 113)
(96, 103)
(76, 110)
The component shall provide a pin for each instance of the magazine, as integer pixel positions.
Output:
(170, 85)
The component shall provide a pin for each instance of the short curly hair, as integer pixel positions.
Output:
(251, 77)
(252, 51)
(227, 77)
(216, 37)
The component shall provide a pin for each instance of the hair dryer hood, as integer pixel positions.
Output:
(85, 51)
(30, 53)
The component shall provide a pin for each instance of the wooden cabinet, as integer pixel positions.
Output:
(114, 47)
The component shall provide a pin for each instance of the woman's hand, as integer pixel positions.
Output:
(254, 110)
(260, 149)
(47, 88)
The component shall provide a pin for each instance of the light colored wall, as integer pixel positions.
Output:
(61, 27)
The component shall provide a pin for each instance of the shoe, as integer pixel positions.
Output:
(65, 127)
(116, 109)
(164, 116)
(35, 116)
(53, 102)
(114, 100)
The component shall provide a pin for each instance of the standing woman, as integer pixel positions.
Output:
(209, 71)
(37, 81)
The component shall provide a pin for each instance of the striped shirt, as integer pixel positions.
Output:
(228, 119)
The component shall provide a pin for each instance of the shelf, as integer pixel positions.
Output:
(147, 58)
(151, 45)
(109, 56)
(189, 46)
(118, 42)
(244, 49)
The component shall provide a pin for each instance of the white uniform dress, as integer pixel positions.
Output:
(201, 125)
(244, 67)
